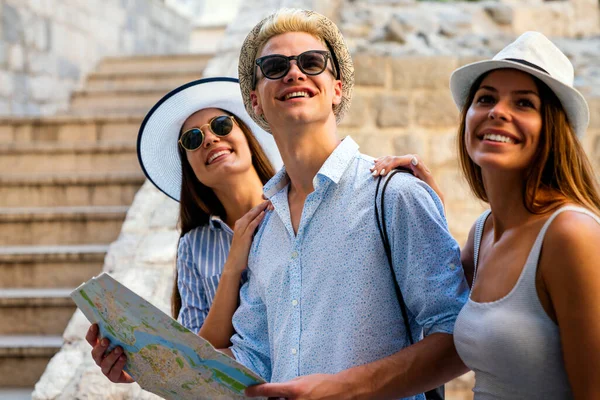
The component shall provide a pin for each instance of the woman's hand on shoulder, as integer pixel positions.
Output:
(112, 364)
(243, 232)
(413, 162)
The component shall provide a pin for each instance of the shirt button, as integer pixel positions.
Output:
(294, 302)
(294, 254)
(294, 351)
(452, 266)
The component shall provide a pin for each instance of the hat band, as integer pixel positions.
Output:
(527, 63)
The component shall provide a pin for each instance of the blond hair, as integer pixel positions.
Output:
(289, 20)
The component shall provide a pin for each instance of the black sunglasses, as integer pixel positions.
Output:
(275, 66)
(193, 138)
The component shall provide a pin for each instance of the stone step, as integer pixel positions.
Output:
(23, 359)
(157, 63)
(12, 393)
(69, 189)
(119, 127)
(50, 266)
(35, 311)
(44, 158)
(60, 225)
(139, 81)
(115, 101)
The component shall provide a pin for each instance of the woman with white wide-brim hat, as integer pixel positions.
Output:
(199, 146)
(530, 329)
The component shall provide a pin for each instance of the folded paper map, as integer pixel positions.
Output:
(163, 357)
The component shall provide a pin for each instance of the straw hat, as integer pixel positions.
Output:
(337, 47)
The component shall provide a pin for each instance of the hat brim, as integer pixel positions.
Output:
(157, 145)
(330, 33)
(571, 99)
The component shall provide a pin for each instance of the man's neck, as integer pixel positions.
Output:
(304, 149)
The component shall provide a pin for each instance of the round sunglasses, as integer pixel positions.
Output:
(193, 138)
(275, 66)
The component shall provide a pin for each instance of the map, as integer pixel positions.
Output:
(163, 357)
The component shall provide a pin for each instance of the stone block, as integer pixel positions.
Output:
(42, 88)
(20, 83)
(42, 63)
(422, 72)
(435, 109)
(370, 70)
(6, 84)
(67, 69)
(12, 26)
(375, 144)
(553, 20)
(594, 104)
(411, 21)
(412, 143)
(16, 58)
(442, 150)
(393, 111)
(64, 368)
(161, 246)
(41, 8)
(4, 110)
(359, 112)
(3, 55)
(502, 14)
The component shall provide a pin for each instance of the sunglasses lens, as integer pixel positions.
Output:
(221, 126)
(312, 63)
(274, 67)
(192, 139)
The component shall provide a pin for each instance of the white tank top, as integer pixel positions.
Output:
(511, 344)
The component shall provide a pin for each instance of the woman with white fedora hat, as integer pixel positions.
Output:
(530, 329)
(199, 146)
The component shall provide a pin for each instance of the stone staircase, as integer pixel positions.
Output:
(66, 182)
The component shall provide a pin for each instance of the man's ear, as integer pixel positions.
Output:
(337, 92)
(256, 103)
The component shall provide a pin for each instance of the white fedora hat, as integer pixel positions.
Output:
(535, 54)
(157, 145)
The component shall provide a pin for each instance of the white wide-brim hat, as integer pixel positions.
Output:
(157, 144)
(535, 54)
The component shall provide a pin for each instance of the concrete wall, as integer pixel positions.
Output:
(47, 46)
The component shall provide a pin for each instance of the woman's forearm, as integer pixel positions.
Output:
(217, 327)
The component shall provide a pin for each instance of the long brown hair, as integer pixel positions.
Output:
(560, 167)
(198, 202)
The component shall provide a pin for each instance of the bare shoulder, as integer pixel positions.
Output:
(573, 229)
(571, 246)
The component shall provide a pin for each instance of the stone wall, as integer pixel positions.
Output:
(401, 105)
(48, 46)
(474, 29)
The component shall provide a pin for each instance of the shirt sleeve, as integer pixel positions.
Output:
(194, 305)
(426, 258)
(250, 343)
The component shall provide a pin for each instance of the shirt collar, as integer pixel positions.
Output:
(216, 223)
(333, 168)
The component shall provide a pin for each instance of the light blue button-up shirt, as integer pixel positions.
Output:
(323, 300)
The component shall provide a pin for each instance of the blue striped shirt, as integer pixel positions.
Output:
(323, 300)
(201, 255)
